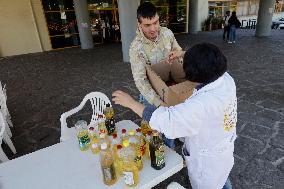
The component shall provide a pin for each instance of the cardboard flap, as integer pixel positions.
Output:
(183, 90)
(157, 83)
(177, 72)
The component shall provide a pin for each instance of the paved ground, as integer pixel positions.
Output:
(42, 86)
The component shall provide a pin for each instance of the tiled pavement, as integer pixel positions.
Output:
(41, 86)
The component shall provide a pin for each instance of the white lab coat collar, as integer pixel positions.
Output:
(211, 86)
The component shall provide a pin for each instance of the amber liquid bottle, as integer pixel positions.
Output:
(157, 152)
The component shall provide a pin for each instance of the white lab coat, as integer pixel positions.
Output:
(207, 120)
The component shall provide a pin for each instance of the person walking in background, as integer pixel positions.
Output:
(226, 26)
(234, 23)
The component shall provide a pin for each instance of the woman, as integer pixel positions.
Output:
(234, 23)
(207, 119)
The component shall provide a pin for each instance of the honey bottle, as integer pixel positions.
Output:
(107, 165)
(129, 168)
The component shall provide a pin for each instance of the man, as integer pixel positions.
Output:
(151, 45)
(226, 26)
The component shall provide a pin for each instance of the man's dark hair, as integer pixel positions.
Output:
(204, 63)
(228, 12)
(146, 10)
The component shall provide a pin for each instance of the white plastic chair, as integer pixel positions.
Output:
(98, 101)
(4, 110)
(4, 137)
(175, 185)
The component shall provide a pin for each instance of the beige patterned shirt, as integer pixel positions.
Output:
(144, 51)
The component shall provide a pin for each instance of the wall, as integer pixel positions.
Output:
(18, 30)
(41, 25)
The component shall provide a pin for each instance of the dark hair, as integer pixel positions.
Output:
(228, 12)
(146, 10)
(234, 14)
(204, 63)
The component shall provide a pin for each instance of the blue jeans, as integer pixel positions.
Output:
(227, 185)
(169, 142)
(232, 35)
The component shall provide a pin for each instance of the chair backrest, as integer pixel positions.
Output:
(98, 102)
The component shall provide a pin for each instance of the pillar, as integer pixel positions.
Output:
(264, 19)
(198, 12)
(83, 23)
(128, 24)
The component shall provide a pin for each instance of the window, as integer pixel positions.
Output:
(61, 23)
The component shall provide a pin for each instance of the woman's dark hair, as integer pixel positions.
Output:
(204, 63)
(146, 10)
(234, 14)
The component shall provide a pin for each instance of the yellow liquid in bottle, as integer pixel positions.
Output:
(109, 112)
(130, 173)
(95, 146)
(145, 127)
(109, 174)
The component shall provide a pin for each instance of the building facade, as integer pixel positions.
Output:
(28, 26)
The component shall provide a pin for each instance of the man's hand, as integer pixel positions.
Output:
(173, 55)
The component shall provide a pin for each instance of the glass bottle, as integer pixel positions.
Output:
(95, 141)
(114, 142)
(157, 151)
(104, 138)
(129, 168)
(108, 112)
(123, 135)
(148, 139)
(107, 165)
(136, 147)
(145, 127)
(110, 126)
(118, 160)
(141, 141)
(82, 135)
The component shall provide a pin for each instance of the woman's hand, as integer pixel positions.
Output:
(123, 99)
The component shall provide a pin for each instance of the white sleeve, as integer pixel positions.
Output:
(182, 120)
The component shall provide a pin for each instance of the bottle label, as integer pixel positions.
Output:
(160, 156)
(128, 178)
(83, 139)
(108, 173)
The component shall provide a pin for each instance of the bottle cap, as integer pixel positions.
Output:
(138, 130)
(131, 132)
(114, 135)
(125, 143)
(123, 130)
(107, 105)
(102, 135)
(155, 133)
(91, 128)
(119, 146)
(104, 146)
(149, 133)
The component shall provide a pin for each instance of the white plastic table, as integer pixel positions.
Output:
(64, 166)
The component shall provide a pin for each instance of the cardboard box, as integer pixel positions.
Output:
(158, 74)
